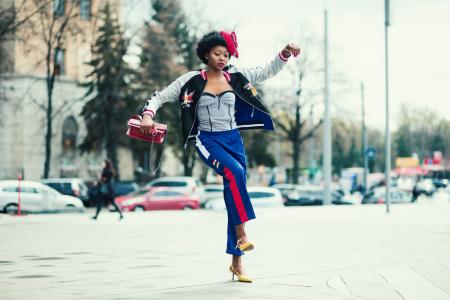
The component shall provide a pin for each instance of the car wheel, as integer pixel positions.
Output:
(139, 208)
(10, 209)
(187, 207)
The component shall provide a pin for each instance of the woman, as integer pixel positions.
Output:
(215, 104)
(105, 189)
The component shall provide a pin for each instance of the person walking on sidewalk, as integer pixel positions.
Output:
(215, 104)
(105, 189)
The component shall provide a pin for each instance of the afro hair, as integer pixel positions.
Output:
(209, 41)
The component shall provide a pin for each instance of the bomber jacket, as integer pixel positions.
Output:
(250, 113)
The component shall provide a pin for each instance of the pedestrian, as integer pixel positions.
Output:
(215, 104)
(105, 189)
(415, 193)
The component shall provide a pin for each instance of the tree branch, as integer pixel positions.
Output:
(311, 132)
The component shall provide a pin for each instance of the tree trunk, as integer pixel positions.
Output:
(48, 135)
(111, 151)
(296, 145)
(296, 161)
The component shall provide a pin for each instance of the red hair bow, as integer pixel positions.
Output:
(231, 40)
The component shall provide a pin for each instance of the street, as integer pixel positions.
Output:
(325, 252)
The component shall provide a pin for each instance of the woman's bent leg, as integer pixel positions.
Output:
(227, 158)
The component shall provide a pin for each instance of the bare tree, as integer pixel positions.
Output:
(295, 117)
(13, 16)
(54, 24)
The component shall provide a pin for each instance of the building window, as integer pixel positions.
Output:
(68, 167)
(58, 7)
(70, 132)
(85, 9)
(59, 61)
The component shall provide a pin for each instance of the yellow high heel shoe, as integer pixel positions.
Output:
(241, 278)
(247, 246)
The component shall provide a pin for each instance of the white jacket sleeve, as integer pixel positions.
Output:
(169, 94)
(259, 74)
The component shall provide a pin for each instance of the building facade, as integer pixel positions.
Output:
(24, 98)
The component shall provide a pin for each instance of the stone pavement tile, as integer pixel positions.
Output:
(436, 273)
(314, 286)
(368, 284)
(257, 290)
(49, 294)
(412, 285)
(309, 286)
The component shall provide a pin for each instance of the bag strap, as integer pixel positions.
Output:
(153, 172)
(154, 132)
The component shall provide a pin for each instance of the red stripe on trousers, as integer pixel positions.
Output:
(236, 195)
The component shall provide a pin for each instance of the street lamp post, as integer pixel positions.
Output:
(387, 132)
(364, 137)
(327, 122)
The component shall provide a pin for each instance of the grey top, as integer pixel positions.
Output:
(216, 112)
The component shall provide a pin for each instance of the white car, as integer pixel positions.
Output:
(69, 186)
(211, 191)
(378, 196)
(35, 197)
(285, 188)
(259, 196)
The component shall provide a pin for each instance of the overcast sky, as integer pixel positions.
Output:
(419, 42)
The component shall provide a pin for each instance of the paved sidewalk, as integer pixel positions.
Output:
(333, 252)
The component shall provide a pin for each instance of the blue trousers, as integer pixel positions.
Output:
(224, 152)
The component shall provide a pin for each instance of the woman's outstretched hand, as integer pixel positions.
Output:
(147, 124)
(291, 49)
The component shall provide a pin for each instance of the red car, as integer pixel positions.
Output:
(158, 199)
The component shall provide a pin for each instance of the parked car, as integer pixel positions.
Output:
(125, 187)
(158, 198)
(285, 188)
(210, 191)
(184, 183)
(259, 196)
(69, 186)
(92, 193)
(135, 194)
(426, 187)
(440, 183)
(378, 196)
(35, 197)
(314, 195)
(405, 183)
(120, 188)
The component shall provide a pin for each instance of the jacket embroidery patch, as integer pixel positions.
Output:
(252, 89)
(187, 99)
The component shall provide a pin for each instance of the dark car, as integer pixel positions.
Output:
(440, 183)
(124, 188)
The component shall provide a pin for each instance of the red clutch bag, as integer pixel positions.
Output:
(158, 135)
